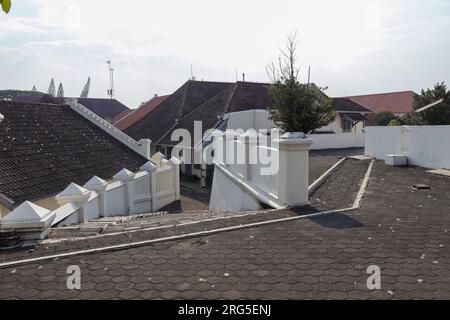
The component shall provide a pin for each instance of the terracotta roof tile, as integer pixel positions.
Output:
(396, 102)
(127, 119)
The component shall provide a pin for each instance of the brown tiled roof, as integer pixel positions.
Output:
(124, 121)
(35, 98)
(45, 147)
(347, 105)
(105, 108)
(240, 96)
(188, 97)
(122, 115)
(396, 102)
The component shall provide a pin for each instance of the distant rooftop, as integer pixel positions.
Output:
(130, 117)
(395, 102)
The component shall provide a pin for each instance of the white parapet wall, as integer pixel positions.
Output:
(248, 174)
(147, 190)
(425, 146)
(337, 140)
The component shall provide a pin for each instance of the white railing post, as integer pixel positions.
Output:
(175, 162)
(250, 141)
(99, 185)
(293, 172)
(126, 177)
(151, 168)
(77, 194)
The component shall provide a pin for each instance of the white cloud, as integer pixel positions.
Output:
(153, 43)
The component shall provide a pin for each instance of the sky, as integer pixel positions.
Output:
(352, 46)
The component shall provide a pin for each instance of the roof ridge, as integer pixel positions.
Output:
(376, 94)
(204, 104)
(227, 106)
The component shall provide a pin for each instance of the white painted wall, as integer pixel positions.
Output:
(426, 146)
(227, 196)
(337, 141)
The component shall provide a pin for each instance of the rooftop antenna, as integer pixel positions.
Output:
(243, 77)
(111, 79)
(192, 73)
(309, 75)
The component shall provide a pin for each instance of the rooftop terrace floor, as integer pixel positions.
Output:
(318, 252)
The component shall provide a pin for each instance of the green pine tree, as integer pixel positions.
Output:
(51, 88)
(85, 91)
(60, 90)
(299, 107)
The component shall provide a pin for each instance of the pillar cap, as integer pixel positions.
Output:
(124, 175)
(175, 161)
(159, 155)
(27, 212)
(96, 183)
(294, 141)
(74, 192)
(149, 167)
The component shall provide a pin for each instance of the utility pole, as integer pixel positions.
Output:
(111, 80)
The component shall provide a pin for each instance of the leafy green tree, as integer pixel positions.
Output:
(299, 107)
(394, 123)
(60, 90)
(383, 118)
(438, 114)
(34, 89)
(6, 5)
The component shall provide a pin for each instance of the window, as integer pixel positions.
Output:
(346, 125)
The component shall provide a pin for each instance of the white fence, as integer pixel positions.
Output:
(426, 146)
(337, 140)
(248, 173)
(148, 190)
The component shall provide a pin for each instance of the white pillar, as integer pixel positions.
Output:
(77, 194)
(293, 172)
(127, 178)
(175, 162)
(145, 145)
(151, 168)
(99, 185)
(250, 141)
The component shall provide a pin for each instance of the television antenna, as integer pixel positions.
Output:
(111, 79)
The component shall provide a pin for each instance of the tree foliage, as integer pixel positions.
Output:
(60, 90)
(6, 5)
(51, 88)
(383, 118)
(439, 114)
(299, 107)
(85, 91)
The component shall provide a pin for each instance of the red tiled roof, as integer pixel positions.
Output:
(125, 120)
(395, 102)
(122, 114)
